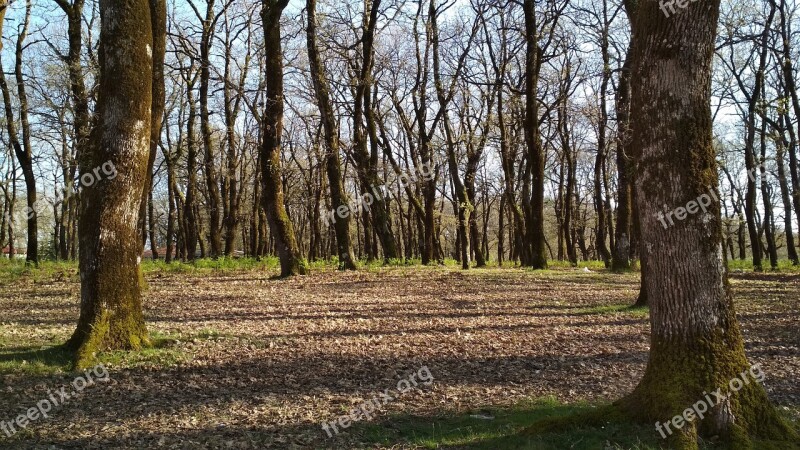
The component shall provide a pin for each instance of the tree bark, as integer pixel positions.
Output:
(536, 152)
(22, 150)
(111, 280)
(696, 342)
(341, 220)
(271, 182)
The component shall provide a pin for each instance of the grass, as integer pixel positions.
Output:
(494, 429)
(49, 359)
(15, 270)
(746, 265)
(615, 309)
(506, 428)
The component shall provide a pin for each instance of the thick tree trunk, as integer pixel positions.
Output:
(272, 182)
(696, 342)
(111, 279)
(536, 152)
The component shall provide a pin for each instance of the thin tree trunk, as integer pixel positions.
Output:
(23, 150)
(339, 207)
(272, 182)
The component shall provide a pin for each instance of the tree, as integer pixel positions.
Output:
(341, 222)
(622, 250)
(22, 150)
(80, 104)
(272, 130)
(158, 15)
(696, 341)
(111, 287)
(367, 160)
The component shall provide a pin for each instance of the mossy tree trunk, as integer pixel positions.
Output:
(333, 165)
(111, 304)
(272, 129)
(696, 341)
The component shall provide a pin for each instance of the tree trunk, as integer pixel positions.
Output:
(340, 210)
(769, 223)
(272, 183)
(209, 163)
(602, 147)
(23, 150)
(696, 341)
(158, 16)
(111, 279)
(622, 250)
(536, 152)
(786, 196)
(190, 206)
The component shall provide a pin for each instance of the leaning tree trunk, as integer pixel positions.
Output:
(696, 341)
(271, 181)
(333, 165)
(111, 303)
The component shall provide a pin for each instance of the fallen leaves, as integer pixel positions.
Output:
(271, 360)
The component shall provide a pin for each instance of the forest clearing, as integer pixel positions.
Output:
(399, 224)
(243, 362)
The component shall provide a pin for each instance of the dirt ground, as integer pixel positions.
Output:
(248, 362)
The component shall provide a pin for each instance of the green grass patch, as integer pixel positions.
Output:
(615, 309)
(52, 359)
(33, 360)
(510, 428)
(497, 429)
(746, 265)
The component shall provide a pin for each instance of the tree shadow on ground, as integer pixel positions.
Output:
(34, 360)
(499, 429)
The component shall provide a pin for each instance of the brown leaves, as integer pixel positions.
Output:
(270, 361)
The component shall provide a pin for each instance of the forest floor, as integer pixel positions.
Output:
(244, 361)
